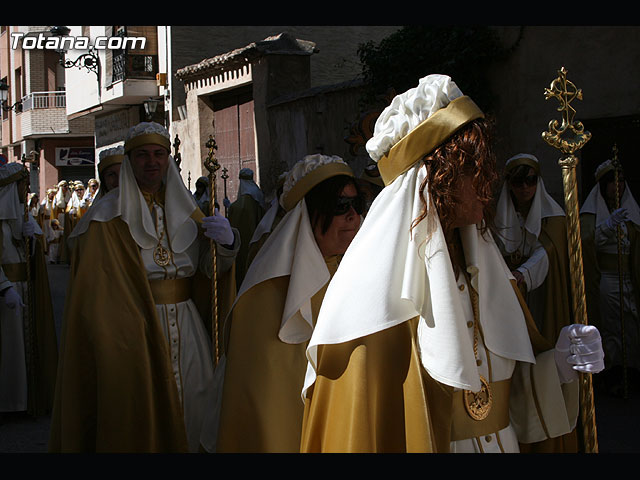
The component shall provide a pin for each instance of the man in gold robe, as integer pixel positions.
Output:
(423, 343)
(28, 343)
(278, 302)
(136, 365)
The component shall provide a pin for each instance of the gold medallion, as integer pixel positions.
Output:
(478, 404)
(161, 256)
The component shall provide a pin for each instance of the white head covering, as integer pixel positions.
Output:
(542, 206)
(291, 249)
(11, 206)
(596, 204)
(249, 187)
(128, 202)
(62, 197)
(390, 275)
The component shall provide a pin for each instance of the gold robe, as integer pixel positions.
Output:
(372, 394)
(261, 405)
(115, 390)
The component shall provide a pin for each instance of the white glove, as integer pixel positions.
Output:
(578, 349)
(617, 217)
(218, 228)
(12, 298)
(28, 229)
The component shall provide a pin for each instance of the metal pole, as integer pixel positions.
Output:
(566, 92)
(212, 165)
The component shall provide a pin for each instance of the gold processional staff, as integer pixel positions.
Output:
(617, 169)
(212, 165)
(565, 92)
(27, 311)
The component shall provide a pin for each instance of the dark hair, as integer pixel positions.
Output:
(467, 152)
(322, 199)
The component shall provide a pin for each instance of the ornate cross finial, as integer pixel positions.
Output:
(566, 92)
(211, 163)
(224, 175)
(176, 156)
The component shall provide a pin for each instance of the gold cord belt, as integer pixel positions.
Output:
(15, 272)
(171, 291)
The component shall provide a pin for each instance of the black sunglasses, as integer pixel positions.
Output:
(344, 204)
(529, 181)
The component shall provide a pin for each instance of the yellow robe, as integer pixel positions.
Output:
(115, 389)
(261, 405)
(372, 394)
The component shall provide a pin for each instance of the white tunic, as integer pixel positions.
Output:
(188, 340)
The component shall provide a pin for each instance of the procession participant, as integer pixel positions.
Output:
(531, 232)
(109, 164)
(136, 362)
(245, 215)
(599, 220)
(90, 194)
(53, 236)
(63, 195)
(75, 209)
(202, 195)
(46, 211)
(268, 222)
(28, 344)
(423, 343)
(272, 320)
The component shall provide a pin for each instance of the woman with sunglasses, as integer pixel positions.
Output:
(532, 237)
(267, 332)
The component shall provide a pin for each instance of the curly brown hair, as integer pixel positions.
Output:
(469, 151)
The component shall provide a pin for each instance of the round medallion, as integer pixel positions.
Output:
(478, 404)
(161, 256)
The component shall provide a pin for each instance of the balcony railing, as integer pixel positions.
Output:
(40, 100)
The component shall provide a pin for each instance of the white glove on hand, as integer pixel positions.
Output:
(218, 228)
(578, 349)
(12, 298)
(617, 217)
(28, 229)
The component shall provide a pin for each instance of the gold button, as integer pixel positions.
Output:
(461, 287)
(469, 324)
(488, 438)
(478, 362)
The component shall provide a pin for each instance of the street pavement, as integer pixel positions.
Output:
(617, 419)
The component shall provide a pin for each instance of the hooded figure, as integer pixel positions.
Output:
(278, 302)
(600, 220)
(245, 215)
(423, 343)
(532, 237)
(28, 344)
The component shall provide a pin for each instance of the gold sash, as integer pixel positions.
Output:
(15, 272)
(608, 262)
(166, 292)
(464, 426)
